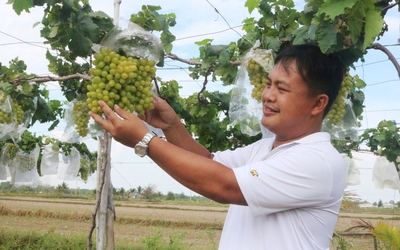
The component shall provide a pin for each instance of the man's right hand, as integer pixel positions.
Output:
(162, 116)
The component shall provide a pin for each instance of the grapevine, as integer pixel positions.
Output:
(258, 78)
(121, 80)
(337, 111)
(81, 117)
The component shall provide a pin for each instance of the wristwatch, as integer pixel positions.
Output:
(142, 148)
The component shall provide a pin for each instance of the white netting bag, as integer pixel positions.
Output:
(384, 174)
(50, 160)
(353, 172)
(69, 166)
(245, 107)
(23, 169)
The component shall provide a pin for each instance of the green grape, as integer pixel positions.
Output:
(336, 114)
(118, 79)
(258, 78)
(81, 118)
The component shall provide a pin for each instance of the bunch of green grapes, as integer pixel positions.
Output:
(258, 78)
(16, 111)
(5, 117)
(11, 150)
(81, 118)
(86, 168)
(336, 114)
(121, 80)
(26, 162)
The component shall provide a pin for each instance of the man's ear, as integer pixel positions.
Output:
(321, 101)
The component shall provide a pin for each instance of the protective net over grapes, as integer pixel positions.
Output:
(245, 107)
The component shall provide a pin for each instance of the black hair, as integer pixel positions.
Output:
(323, 73)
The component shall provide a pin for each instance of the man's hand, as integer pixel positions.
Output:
(162, 116)
(124, 126)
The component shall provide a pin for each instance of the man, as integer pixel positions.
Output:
(285, 192)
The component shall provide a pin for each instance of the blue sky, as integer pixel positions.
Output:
(197, 20)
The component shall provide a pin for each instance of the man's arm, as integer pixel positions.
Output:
(165, 118)
(197, 171)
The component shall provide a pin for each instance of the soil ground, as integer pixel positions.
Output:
(199, 225)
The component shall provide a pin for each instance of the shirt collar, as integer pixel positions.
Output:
(312, 138)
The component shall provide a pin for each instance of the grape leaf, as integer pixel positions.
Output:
(373, 26)
(355, 27)
(251, 5)
(21, 5)
(326, 36)
(26, 88)
(79, 44)
(334, 8)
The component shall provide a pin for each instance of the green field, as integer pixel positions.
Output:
(64, 223)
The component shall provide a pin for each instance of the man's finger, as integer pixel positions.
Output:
(122, 112)
(100, 120)
(109, 113)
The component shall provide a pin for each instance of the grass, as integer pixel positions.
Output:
(28, 240)
(56, 223)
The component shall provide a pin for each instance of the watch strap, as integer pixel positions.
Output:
(147, 138)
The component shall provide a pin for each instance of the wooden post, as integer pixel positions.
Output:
(105, 215)
(105, 211)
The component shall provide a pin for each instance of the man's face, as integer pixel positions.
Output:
(286, 103)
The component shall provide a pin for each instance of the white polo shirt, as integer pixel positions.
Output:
(293, 192)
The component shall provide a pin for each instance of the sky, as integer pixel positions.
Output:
(197, 20)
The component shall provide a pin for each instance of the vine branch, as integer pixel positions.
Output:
(190, 62)
(382, 48)
(384, 10)
(41, 79)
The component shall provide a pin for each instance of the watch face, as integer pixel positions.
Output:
(141, 150)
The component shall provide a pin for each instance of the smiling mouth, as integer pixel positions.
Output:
(270, 110)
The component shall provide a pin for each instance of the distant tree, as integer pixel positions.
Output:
(380, 203)
(182, 196)
(149, 192)
(170, 196)
(62, 188)
(139, 189)
(375, 204)
(121, 191)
